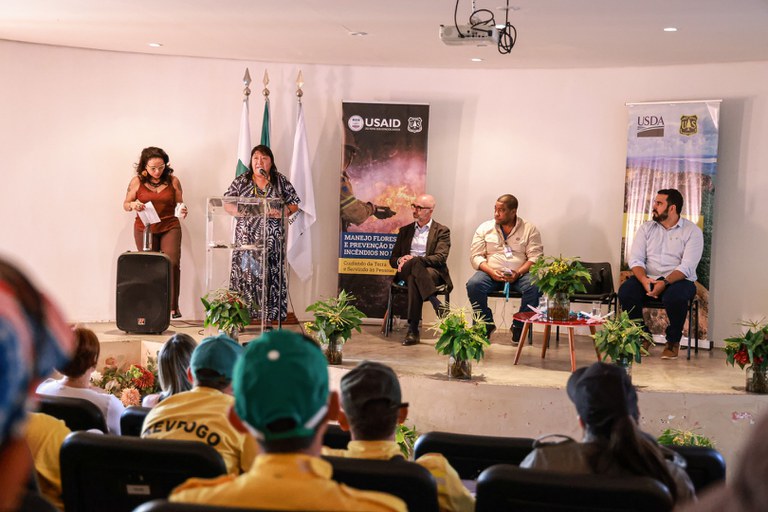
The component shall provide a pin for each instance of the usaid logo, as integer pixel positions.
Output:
(650, 126)
(355, 123)
(414, 124)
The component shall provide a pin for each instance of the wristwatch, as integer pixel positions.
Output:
(664, 280)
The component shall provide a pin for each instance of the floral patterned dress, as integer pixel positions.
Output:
(245, 276)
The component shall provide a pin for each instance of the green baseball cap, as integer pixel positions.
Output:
(281, 376)
(217, 353)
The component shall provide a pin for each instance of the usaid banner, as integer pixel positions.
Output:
(383, 170)
(672, 145)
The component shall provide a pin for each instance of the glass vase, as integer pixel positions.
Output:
(626, 364)
(757, 379)
(459, 369)
(558, 307)
(332, 350)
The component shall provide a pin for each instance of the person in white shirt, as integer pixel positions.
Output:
(76, 380)
(663, 260)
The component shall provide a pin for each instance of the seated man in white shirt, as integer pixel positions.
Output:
(419, 255)
(663, 260)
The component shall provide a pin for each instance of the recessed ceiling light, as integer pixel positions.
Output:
(155, 45)
(476, 59)
(359, 34)
(670, 29)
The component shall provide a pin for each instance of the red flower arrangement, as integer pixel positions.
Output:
(129, 383)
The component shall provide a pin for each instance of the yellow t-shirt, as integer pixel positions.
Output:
(289, 481)
(452, 496)
(202, 414)
(45, 434)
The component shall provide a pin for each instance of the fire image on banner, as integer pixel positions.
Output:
(384, 168)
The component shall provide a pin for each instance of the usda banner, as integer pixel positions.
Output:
(672, 145)
(383, 169)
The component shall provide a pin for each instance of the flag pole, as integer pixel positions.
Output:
(265, 121)
(244, 141)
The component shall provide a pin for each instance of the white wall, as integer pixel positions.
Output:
(74, 121)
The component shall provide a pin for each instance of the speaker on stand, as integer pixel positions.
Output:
(143, 292)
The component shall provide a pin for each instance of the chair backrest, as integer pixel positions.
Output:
(118, 473)
(336, 438)
(408, 481)
(132, 419)
(705, 466)
(77, 413)
(167, 506)
(471, 454)
(602, 281)
(510, 488)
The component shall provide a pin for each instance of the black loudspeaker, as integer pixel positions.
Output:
(143, 292)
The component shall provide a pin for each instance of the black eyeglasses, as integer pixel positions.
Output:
(419, 208)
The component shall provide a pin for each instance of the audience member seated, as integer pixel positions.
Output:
(282, 398)
(76, 380)
(202, 414)
(34, 339)
(172, 366)
(372, 408)
(745, 490)
(45, 434)
(613, 444)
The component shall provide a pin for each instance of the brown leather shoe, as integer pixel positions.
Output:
(670, 351)
(411, 338)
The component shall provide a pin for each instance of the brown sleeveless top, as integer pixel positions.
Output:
(165, 204)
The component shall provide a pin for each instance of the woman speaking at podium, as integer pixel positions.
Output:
(262, 181)
(154, 182)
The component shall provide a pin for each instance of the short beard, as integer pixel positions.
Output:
(661, 217)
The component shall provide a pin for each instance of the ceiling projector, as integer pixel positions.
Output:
(468, 35)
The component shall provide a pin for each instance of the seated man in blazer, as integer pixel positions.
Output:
(420, 256)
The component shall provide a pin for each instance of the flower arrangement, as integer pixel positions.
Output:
(559, 275)
(621, 339)
(129, 383)
(461, 339)
(225, 310)
(675, 437)
(750, 348)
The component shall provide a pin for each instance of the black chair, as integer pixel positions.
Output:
(705, 466)
(167, 506)
(510, 488)
(471, 454)
(512, 295)
(600, 289)
(132, 419)
(77, 413)
(336, 438)
(398, 288)
(118, 473)
(408, 481)
(693, 319)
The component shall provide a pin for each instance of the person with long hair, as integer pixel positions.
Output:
(76, 380)
(262, 181)
(154, 182)
(613, 444)
(172, 365)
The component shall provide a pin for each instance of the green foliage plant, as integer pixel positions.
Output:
(749, 349)
(460, 338)
(406, 437)
(675, 437)
(621, 339)
(559, 275)
(225, 310)
(335, 318)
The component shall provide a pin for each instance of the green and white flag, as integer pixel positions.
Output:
(265, 124)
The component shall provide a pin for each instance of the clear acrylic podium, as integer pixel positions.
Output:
(237, 247)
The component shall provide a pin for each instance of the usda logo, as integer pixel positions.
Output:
(355, 123)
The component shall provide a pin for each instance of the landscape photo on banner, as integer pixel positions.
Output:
(672, 145)
(383, 170)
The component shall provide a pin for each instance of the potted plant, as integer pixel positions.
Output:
(461, 339)
(622, 340)
(675, 437)
(226, 310)
(750, 350)
(406, 437)
(558, 279)
(335, 318)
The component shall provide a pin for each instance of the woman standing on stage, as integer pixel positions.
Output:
(262, 181)
(154, 182)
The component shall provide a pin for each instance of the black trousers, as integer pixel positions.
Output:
(422, 283)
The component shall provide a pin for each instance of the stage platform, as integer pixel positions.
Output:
(703, 394)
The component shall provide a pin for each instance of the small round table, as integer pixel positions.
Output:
(528, 320)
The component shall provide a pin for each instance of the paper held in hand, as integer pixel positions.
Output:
(149, 215)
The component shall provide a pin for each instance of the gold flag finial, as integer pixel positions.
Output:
(299, 85)
(265, 81)
(247, 82)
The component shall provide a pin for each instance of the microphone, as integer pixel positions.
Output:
(263, 172)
